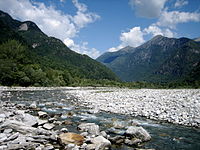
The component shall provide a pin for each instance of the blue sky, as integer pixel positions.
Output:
(93, 27)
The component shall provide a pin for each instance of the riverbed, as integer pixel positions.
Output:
(170, 116)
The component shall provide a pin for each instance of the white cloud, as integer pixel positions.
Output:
(135, 37)
(80, 6)
(50, 20)
(82, 48)
(114, 49)
(155, 30)
(132, 38)
(69, 42)
(148, 8)
(82, 19)
(180, 3)
(172, 18)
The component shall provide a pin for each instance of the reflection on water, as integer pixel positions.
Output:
(164, 136)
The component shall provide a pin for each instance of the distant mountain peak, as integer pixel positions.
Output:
(157, 37)
(159, 59)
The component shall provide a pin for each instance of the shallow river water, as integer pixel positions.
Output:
(165, 136)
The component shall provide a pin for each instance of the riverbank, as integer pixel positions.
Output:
(62, 110)
(28, 126)
(178, 106)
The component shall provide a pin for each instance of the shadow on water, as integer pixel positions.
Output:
(165, 136)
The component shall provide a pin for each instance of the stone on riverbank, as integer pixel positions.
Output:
(99, 143)
(71, 138)
(91, 128)
(138, 132)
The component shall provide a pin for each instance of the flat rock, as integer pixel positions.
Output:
(23, 128)
(48, 126)
(71, 138)
(41, 122)
(29, 120)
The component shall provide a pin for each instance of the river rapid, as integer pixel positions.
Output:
(110, 106)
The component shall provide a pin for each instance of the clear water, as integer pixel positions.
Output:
(165, 136)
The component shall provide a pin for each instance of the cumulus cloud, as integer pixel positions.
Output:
(148, 8)
(165, 25)
(172, 18)
(50, 20)
(180, 3)
(114, 49)
(81, 19)
(82, 48)
(155, 30)
(134, 38)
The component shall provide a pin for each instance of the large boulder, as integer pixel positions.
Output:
(100, 143)
(139, 133)
(29, 119)
(23, 128)
(91, 128)
(71, 138)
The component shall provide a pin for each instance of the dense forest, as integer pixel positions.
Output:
(31, 58)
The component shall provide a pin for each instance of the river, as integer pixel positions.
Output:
(165, 136)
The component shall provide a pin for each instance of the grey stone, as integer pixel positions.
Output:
(91, 128)
(49, 147)
(138, 132)
(48, 126)
(3, 147)
(42, 114)
(13, 136)
(132, 141)
(21, 139)
(116, 131)
(27, 146)
(84, 134)
(119, 124)
(23, 128)
(117, 139)
(103, 133)
(51, 120)
(33, 105)
(7, 131)
(3, 137)
(100, 142)
(41, 122)
(64, 130)
(29, 120)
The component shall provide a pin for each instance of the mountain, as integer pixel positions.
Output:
(30, 57)
(161, 59)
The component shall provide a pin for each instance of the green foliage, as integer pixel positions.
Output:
(160, 60)
(31, 58)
